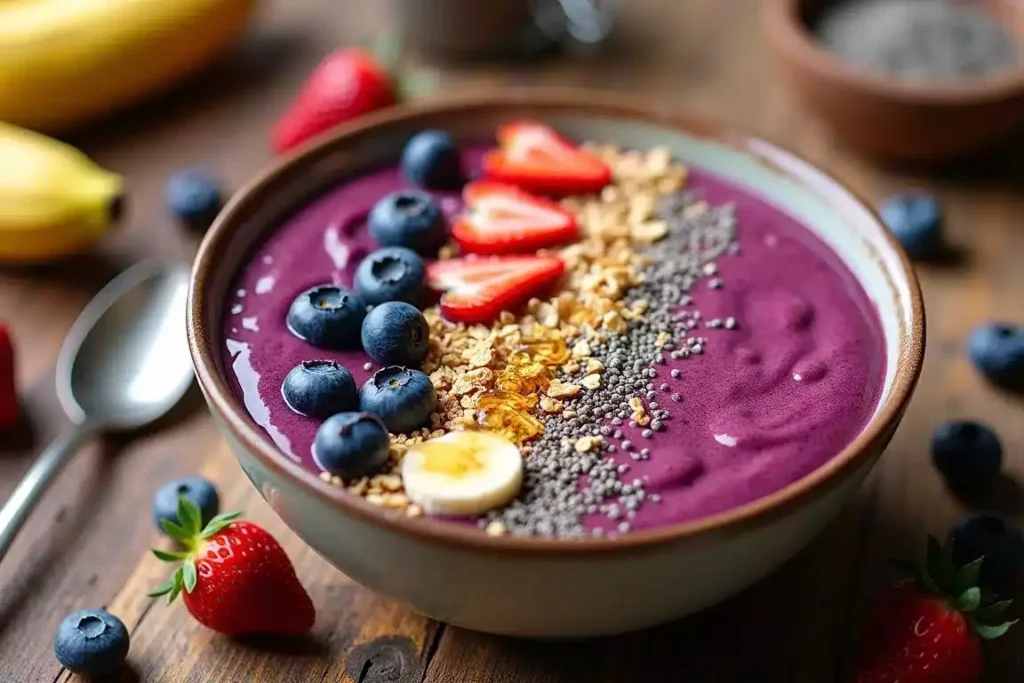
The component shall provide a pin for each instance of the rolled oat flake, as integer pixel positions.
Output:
(923, 40)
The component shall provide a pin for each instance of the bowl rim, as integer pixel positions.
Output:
(817, 483)
(792, 37)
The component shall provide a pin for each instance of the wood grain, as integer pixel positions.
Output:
(84, 544)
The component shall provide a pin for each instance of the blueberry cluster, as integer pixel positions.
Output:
(379, 315)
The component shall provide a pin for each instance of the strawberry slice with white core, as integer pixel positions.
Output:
(477, 289)
(502, 219)
(533, 157)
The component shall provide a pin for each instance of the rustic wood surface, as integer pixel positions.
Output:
(85, 545)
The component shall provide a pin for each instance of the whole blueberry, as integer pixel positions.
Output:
(196, 489)
(997, 349)
(402, 398)
(409, 218)
(915, 218)
(396, 333)
(351, 445)
(390, 274)
(91, 643)
(327, 316)
(319, 389)
(193, 197)
(431, 160)
(994, 538)
(968, 454)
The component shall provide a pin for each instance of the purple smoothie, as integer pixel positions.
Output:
(766, 404)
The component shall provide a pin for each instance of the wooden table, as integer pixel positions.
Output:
(85, 545)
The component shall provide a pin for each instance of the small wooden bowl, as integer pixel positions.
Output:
(890, 119)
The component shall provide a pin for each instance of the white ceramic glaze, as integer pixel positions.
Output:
(557, 589)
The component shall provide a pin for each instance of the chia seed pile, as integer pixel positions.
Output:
(561, 484)
(919, 39)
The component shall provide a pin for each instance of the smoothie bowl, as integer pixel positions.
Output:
(573, 367)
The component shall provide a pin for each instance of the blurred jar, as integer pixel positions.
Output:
(503, 28)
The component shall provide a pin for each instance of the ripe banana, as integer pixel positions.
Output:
(462, 473)
(54, 201)
(65, 61)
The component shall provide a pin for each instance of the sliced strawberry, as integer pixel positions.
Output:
(500, 219)
(477, 289)
(534, 157)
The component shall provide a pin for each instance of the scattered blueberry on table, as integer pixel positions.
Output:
(328, 317)
(915, 218)
(351, 445)
(431, 160)
(408, 218)
(194, 198)
(320, 388)
(91, 642)
(196, 489)
(402, 398)
(396, 333)
(968, 454)
(994, 538)
(390, 274)
(997, 349)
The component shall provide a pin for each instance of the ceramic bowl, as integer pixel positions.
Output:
(538, 587)
(889, 119)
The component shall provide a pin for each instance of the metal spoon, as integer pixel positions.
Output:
(124, 364)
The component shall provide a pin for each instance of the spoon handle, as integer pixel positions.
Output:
(35, 482)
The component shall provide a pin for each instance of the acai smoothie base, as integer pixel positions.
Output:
(702, 350)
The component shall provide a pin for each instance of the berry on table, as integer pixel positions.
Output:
(396, 333)
(994, 538)
(390, 274)
(319, 389)
(968, 454)
(91, 643)
(997, 350)
(351, 445)
(193, 197)
(328, 317)
(929, 629)
(915, 218)
(409, 218)
(197, 490)
(402, 398)
(431, 160)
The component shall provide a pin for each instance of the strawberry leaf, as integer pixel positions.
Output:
(169, 556)
(967, 576)
(164, 588)
(177, 586)
(990, 614)
(189, 517)
(970, 600)
(175, 531)
(986, 632)
(218, 523)
(188, 571)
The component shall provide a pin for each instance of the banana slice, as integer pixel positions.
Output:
(463, 473)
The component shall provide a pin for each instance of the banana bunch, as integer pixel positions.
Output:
(54, 200)
(66, 61)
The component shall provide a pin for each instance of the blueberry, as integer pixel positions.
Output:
(390, 274)
(431, 160)
(91, 643)
(997, 349)
(967, 454)
(193, 197)
(409, 219)
(351, 445)
(196, 489)
(319, 389)
(327, 316)
(402, 398)
(992, 537)
(396, 333)
(916, 220)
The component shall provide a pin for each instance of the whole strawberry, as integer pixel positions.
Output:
(8, 390)
(929, 629)
(347, 83)
(236, 578)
